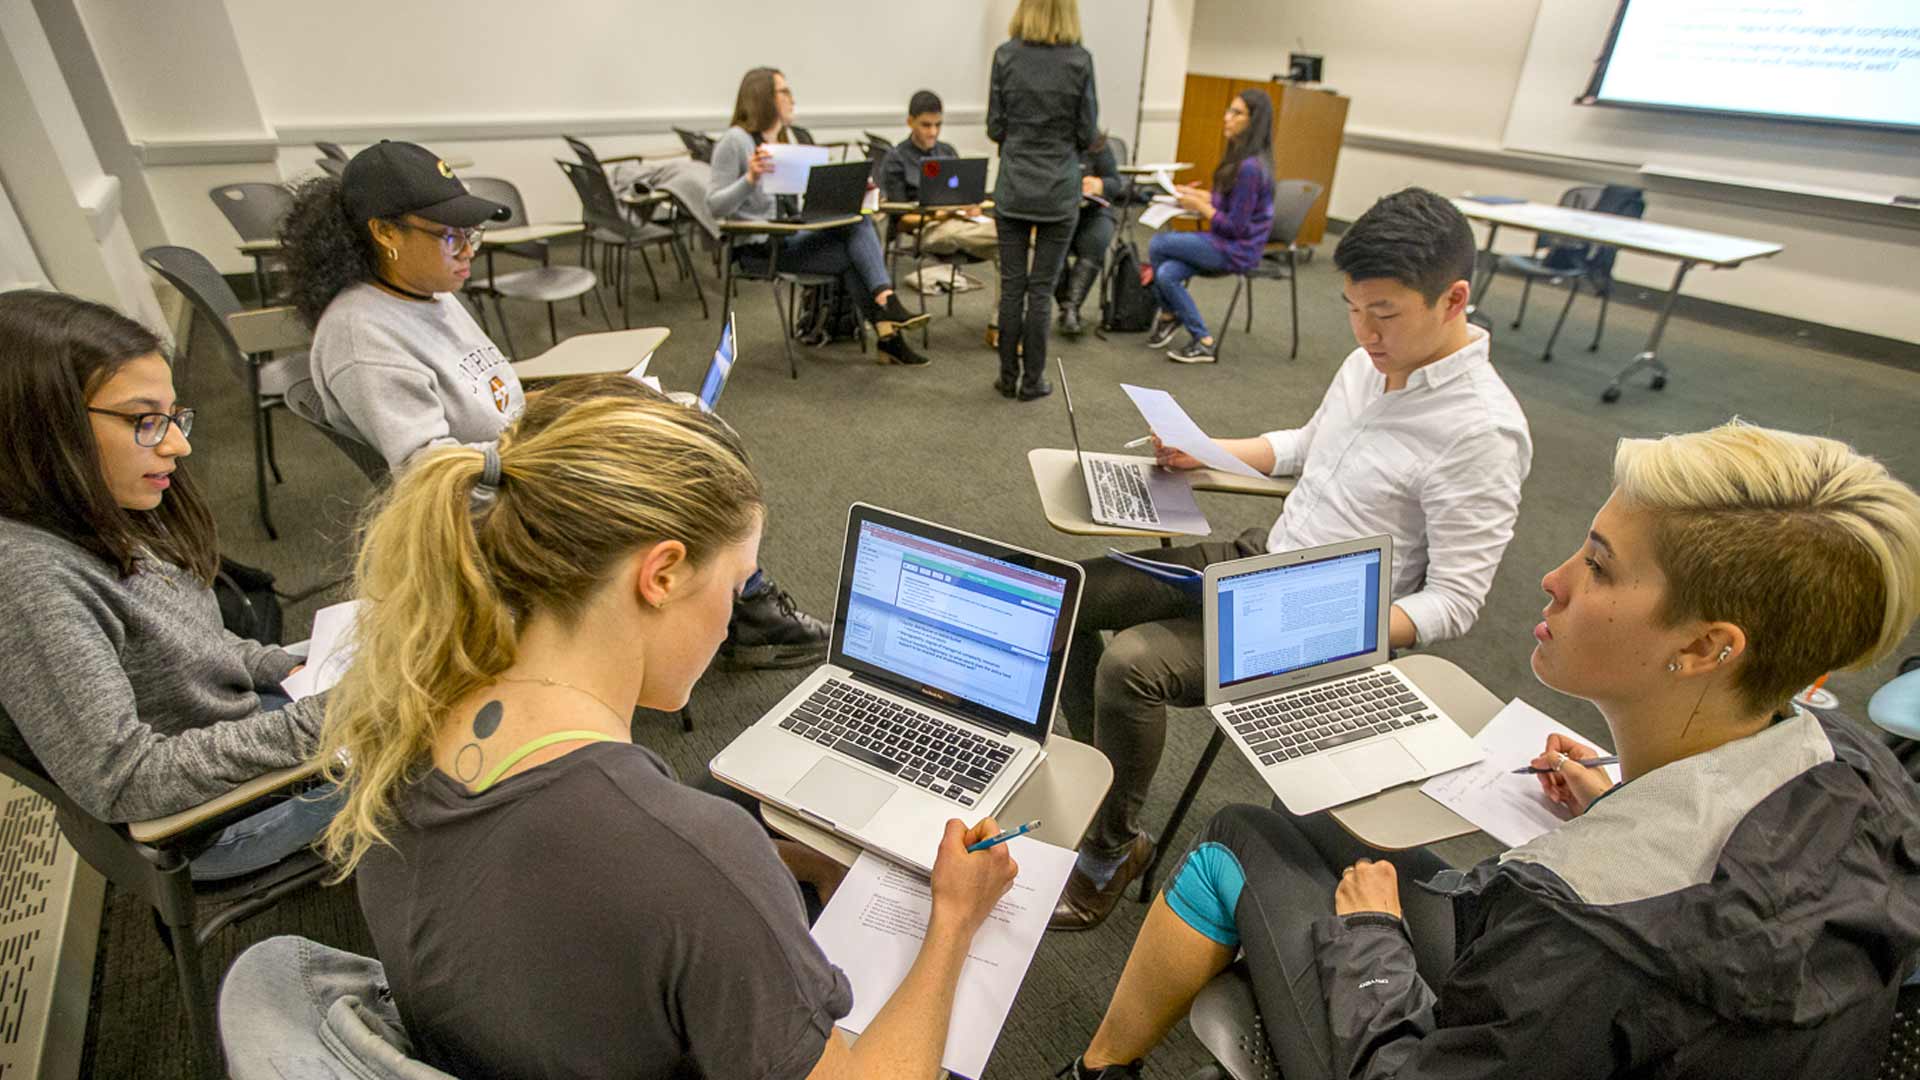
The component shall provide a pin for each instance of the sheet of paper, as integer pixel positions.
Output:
(980, 219)
(1167, 419)
(1164, 177)
(1508, 806)
(330, 652)
(638, 373)
(791, 164)
(873, 927)
(1158, 214)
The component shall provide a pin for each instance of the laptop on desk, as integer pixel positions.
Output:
(1297, 676)
(936, 699)
(953, 181)
(1131, 492)
(719, 369)
(833, 191)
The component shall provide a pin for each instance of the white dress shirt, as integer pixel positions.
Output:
(1437, 466)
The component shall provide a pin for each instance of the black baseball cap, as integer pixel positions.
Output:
(389, 179)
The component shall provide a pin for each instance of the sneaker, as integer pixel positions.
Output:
(894, 349)
(769, 631)
(1193, 353)
(1162, 333)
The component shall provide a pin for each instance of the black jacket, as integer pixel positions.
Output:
(1747, 912)
(1099, 161)
(1042, 110)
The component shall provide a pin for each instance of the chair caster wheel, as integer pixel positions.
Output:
(1659, 382)
(1610, 395)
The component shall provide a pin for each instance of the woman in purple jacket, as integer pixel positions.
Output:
(1238, 215)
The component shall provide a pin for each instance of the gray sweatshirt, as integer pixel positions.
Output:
(405, 374)
(131, 694)
(731, 194)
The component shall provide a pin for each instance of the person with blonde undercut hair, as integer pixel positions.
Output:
(546, 898)
(1746, 902)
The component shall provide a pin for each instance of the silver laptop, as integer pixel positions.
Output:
(1133, 492)
(1297, 676)
(937, 697)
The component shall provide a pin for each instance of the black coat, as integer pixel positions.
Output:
(1042, 110)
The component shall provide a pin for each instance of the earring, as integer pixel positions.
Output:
(392, 255)
(1726, 652)
(1672, 666)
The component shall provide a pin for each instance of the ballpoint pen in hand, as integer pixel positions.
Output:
(1141, 441)
(1005, 836)
(1591, 763)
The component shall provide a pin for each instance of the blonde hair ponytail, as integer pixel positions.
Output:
(594, 470)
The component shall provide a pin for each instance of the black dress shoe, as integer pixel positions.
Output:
(768, 630)
(1008, 387)
(1034, 391)
(1084, 905)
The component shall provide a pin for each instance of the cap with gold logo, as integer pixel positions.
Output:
(389, 179)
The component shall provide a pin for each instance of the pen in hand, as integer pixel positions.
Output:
(1591, 763)
(1005, 836)
(1139, 442)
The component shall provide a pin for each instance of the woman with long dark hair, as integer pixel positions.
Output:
(1238, 214)
(762, 114)
(1043, 111)
(121, 681)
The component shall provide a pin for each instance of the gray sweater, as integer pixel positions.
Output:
(130, 693)
(405, 375)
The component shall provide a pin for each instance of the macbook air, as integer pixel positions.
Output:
(719, 370)
(1297, 676)
(937, 695)
(1131, 492)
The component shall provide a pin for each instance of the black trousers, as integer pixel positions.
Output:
(1026, 292)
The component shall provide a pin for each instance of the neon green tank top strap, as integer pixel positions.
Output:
(541, 743)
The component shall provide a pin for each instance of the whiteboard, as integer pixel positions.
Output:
(1568, 36)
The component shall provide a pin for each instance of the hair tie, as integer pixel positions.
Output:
(490, 471)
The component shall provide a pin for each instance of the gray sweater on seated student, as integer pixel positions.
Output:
(407, 374)
(130, 692)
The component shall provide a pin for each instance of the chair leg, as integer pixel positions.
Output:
(686, 257)
(1293, 292)
(1526, 290)
(197, 997)
(586, 262)
(1220, 339)
(273, 460)
(647, 264)
(259, 448)
(1200, 770)
(1249, 282)
(506, 330)
(1573, 290)
(602, 301)
(625, 271)
(786, 328)
(553, 328)
(1601, 328)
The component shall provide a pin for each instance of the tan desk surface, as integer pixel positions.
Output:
(755, 228)
(917, 208)
(269, 329)
(521, 234)
(593, 354)
(149, 832)
(1063, 495)
(644, 198)
(260, 247)
(1062, 793)
(1401, 818)
(1153, 167)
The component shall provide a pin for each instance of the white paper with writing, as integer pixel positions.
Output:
(1508, 806)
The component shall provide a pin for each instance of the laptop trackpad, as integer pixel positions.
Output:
(1378, 766)
(841, 793)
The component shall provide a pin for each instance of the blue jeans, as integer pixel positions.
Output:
(1177, 256)
(271, 835)
(852, 251)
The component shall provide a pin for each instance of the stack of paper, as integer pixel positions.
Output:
(1508, 806)
(329, 652)
(873, 927)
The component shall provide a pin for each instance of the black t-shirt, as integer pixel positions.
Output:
(593, 917)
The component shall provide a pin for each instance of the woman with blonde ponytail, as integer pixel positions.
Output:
(547, 899)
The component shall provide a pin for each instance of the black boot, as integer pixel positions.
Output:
(1033, 383)
(769, 631)
(893, 349)
(1079, 282)
(891, 314)
(1077, 1070)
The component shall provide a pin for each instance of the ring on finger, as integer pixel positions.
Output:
(1560, 763)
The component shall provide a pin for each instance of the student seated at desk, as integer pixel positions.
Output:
(377, 259)
(1417, 437)
(948, 230)
(763, 113)
(1101, 187)
(546, 898)
(121, 681)
(1238, 216)
(1745, 903)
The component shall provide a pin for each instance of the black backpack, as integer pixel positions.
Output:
(1126, 302)
(248, 606)
(827, 313)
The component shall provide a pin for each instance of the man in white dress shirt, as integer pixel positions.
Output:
(1417, 437)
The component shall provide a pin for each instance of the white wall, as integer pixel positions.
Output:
(1474, 95)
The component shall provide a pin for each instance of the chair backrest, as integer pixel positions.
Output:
(331, 150)
(294, 1007)
(502, 192)
(255, 210)
(189, 271)
(584, 152)
(1596, 260)
(1119, 146)
(1226, 1020)
(598, 207)
(333, 167)
(698, 145)
(876, 148)
(303, 401)
(1292, 201)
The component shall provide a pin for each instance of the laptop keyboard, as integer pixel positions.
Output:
(1122, 493)
(1328, 715)
(918, 747)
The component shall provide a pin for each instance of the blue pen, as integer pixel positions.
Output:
(1005, 836)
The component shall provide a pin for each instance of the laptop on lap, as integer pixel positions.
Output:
(1297, 676)
(937, 697)
(1131, 492)
(953, 181)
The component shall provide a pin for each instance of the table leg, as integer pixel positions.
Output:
(1650, 356)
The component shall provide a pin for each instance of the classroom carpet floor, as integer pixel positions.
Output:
(938, 442)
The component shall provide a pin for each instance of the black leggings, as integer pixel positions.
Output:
(1026, 295)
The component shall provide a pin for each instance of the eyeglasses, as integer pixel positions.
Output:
(150, 428)
(452, 240)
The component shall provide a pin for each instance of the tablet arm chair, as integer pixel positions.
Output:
(545, 283)
(303, 401)
(255, 210)
(1557, 259)
(1292, 201)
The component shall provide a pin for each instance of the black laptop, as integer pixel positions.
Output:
(953, 181)
(833, 191)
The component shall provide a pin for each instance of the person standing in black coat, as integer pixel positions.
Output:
(1044, 114)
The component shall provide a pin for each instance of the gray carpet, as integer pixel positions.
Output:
(940, 443)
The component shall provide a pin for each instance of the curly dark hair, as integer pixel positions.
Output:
(325, 251)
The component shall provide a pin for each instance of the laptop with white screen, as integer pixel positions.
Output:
(1132, 492)
(1297, 676)
(719, 369)
(936, 700)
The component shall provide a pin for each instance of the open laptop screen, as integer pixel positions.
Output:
(982, 634)
(1284, 618)
(719, 369)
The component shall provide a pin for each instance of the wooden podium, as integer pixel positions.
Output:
(1308, 126)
